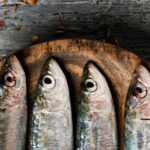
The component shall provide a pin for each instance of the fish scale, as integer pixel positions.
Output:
(97, 138)
(96, 126)
(137, 112)
(51, 123)
(13, 105)
(102, 137)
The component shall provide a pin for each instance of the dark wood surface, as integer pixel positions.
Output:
(116, 64)
(122, 22)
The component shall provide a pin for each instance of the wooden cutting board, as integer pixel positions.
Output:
(116, 64)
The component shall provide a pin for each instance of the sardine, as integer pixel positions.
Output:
(96, 125)
(13, 105)
(137, 112)
(51, 119)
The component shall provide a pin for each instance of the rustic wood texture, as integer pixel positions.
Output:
(121, 22)
(116, 64)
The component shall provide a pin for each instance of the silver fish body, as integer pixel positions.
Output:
(13, 105)
(51, 119)
(96, 129)
(137, 112)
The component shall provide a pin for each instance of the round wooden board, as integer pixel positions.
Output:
(116, 64)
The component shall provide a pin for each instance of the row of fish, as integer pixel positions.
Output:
(50, 124)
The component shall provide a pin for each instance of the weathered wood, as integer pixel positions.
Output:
(116, 64)
(123, 22)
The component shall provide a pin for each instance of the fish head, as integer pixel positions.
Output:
(139, 94)
(95, 90)
(53, 86)
(12, 83)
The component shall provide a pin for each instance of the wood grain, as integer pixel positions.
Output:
(124, 22)
(116, 64)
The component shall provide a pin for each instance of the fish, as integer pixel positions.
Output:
(51, 125)
(13, 105)
(96, 120)
(137, 112)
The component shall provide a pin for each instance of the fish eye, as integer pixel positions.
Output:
(90, 85)
(9, 80)
(139, 91)
(48, 81)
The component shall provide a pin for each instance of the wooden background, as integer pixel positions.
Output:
(122, 22)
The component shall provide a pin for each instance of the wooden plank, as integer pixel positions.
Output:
(124, 22)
